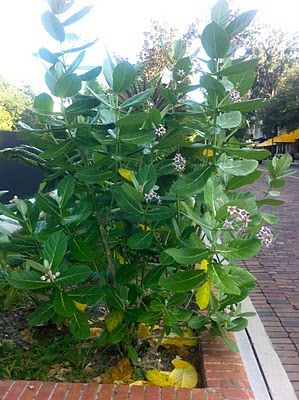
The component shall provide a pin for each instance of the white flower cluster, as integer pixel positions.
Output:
(179, 162)
(50, 276)
(237, 216)
(235, 96)
(265, 235)
(181, 73)
(14, 200)
(160, 131)
(152, 197)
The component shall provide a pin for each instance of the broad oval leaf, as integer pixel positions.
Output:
(203, 295)
(239, 68)
(81, 250)
(236, 167)
(138, 99)
(222, 280)
(79, 326)
(93, 175)
(124, 76)
(64, 304)
(28, 280)
(229, 120)
(91, 74)
(67, 85)
(140, 240)
(188, 255)
(65, 190)
(240, 22)
(47, 55)
(215, 40)
(239, 249)
(43, 313)
(243, 106)
(220, 13)
(72, 275)
(141, 137)
(55, 249)
(53, 26)
(77, 16)
(184, 374)
(193, 182)
(87, 294)
(183, 281)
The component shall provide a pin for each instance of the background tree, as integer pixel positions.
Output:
(282, 111)
(14, 103)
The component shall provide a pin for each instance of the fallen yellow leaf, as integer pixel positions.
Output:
(159, 378)
(126, 174)
(140, 383)
(95, 332)
(174, 340)
(80, 306)
(122, 372)
(184, 374)
(114, 319)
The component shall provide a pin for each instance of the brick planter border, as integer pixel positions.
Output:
(225, 378)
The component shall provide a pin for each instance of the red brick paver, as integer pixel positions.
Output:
(224, 374)
(276, 297)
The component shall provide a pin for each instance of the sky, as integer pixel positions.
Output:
(118, 24)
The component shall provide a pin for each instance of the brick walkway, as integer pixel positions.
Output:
(277, 270)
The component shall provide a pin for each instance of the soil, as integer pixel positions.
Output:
(46, 353)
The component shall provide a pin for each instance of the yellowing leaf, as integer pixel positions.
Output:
(121, 373)
(143, 331)
(184, 374)
(140, 383)
(159, 378)
(208, 153)
(80, 306)
(95, 332)
(120, 259)
(144, 228)
(114, 319)
(175, 340)
(203, 295)
(126, 174)
(204, 265)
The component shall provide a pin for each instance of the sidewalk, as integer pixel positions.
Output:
(276, 298)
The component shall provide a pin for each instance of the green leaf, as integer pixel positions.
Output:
(183, 281)
(65, 190)
(250, 154)
(124, 76)
(53, 26)
(117, 334)
(126, 273)
(236, 167)
(213, 86)
(93, 175)
(229, 120)
(147, 177)
(193, 182)
(237, 25)
(137, 99)
(43, 313)
(132, 123)
(220, 13)
(153, 275)
(213, 195)
(215, 40)
(5, 210)
(243, 106)
(72, 275)
(159, 213)
(77, 16)
(129, 199)
(188, 255)
(91, 74)
(269, 202)
(87, 294)
(59, 7)
(114, 298)
(48, 205)
(140, 240)
(241, 277)
(63, 304)
(43, 103)
(67, 85)
(55, 249)
(239, 249)
(270, 218)
(47, 55)
(139, 137)
(59, 150)
(81, 250)
(239, 68)
(238, 181)
(221, 280)
(243, 81)
(179, 49)
(76, 63)
(79, 326)
(29, 280)
(236, 325)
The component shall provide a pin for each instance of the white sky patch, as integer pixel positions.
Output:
(119, 25)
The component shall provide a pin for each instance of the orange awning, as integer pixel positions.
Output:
(289, 137)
